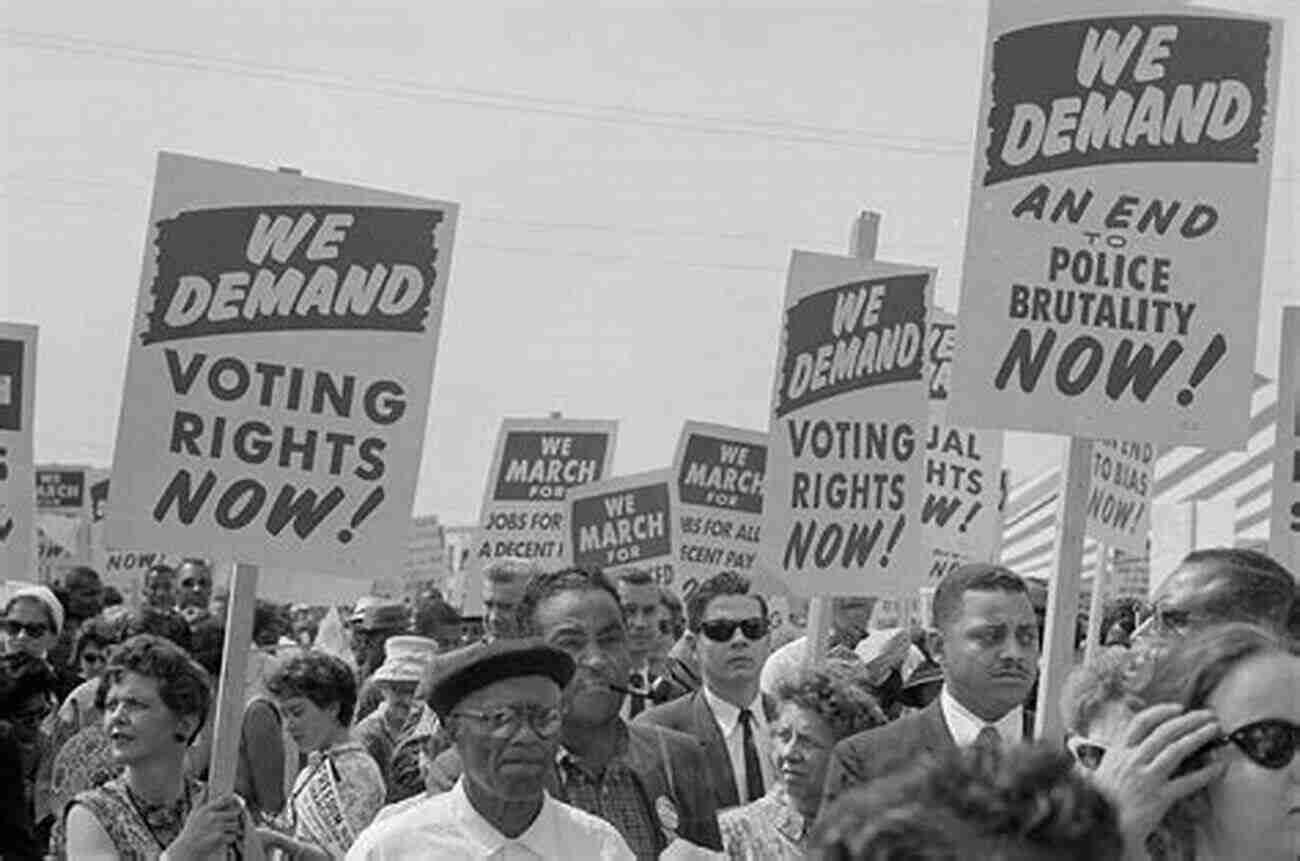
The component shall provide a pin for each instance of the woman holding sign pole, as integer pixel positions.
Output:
(156, 703)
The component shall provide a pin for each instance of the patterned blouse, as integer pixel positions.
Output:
(84, 762)
(124, 819)
(769, 829)
(336, 796)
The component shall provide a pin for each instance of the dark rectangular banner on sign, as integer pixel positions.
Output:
(622, 521)
(60, 489)
(540, 465)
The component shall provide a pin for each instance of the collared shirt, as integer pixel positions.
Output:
(728, 719)
(965, 726)
(769, 829)
(625, 710)
(448, 827)
(615, 795)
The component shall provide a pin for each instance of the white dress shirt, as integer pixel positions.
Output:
(728, 718)
(965, 726)
(447, 826)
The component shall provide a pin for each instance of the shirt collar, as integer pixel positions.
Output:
(728, 716)
(539, 837)
(789, 821)
(965, 725)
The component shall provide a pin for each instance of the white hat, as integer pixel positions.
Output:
(43, 595)
(405, 659)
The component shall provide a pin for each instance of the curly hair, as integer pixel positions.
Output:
(320, 677)
(548, 583)
(1099, 683)
(183, 685)
(837, 694)
(1188, 672)
(1026, 802)
(722, 583)
(95, 632)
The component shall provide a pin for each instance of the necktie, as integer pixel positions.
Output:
(637, 703)
(989, 739)
(753, 768)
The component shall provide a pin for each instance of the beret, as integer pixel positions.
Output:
(456, 675)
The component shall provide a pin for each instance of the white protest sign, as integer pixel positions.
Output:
(717, 501)
(17, 466)
(1284, 526)
(1115, 240)
(1119, 494)
(279, 369)
(624, 522)
(846, 451)
(961, 516)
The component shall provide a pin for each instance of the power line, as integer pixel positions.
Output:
(778, 130)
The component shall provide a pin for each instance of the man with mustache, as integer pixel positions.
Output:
(986, 642)
(646, 781)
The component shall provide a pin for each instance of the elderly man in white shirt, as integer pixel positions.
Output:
(500, 705)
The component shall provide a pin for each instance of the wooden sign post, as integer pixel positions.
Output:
(229, 717)
(1097, 605)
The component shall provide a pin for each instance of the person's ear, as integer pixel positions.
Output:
(692, 643)
(934, 641)
(187, 728)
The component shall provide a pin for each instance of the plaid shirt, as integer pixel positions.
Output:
(616, 796)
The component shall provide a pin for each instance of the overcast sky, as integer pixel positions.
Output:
(632, 178)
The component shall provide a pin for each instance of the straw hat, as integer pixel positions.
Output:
(405, 659)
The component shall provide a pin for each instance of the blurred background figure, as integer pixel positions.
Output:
(814, 710)
(90, 656)
(193, 601)
(643, 611)
(26, 699)
(373, 622)
(406, 658)
(504, 581)
(82, 596)
(157, 615)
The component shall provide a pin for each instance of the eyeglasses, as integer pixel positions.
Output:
(722, 630)
(35, 630)
(1086, 752)
(504, 722)
(92, 658)
(1269, 744)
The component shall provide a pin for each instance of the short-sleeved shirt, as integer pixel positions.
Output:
(346, 777)
(769, 829)
(447, 827)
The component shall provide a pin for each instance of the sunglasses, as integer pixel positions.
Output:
(722, 630)
(35, 630)
(1086, 752)
(1269, 744)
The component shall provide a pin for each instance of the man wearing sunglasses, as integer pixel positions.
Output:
(499, 703)
(728, 714)
(986, 642)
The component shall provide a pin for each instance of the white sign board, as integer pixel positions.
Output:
(17, 466)
(1284, 527)
(279, 369)
(624, 522)
(846, 450)
(1119, 494)
(1115, 240)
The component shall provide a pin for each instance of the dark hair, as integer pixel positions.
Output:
(94, 632)
(1254, 587)
(636, 577)
(1188, 671)
(834, 695)
(197, 562)
(549, 583)
(113, 596)
(82, 571)
(676, 620)
(22, 677)
(722, 583)
(159, 568)
(318, 676)
(949, 594)
(183, 685)
(977, 802)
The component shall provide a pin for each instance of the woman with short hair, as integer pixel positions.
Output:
(156, 703)
(316, 694)
(816, 709)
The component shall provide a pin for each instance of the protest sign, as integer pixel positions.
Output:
(846, 451)
(961, 514)
(17, 466)
(1119, 494)
(279, 369)
(61, 490)
(717, 502)
(1284, 526)
(1117, 220)
(624, 522)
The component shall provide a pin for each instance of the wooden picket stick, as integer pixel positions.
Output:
(1063, 590)
(1097, 604)
(862, 245)
(229, 712)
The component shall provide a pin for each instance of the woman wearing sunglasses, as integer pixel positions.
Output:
(1249, 679)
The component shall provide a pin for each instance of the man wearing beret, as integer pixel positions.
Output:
(986, 642)
(500, 705)
(649, 782)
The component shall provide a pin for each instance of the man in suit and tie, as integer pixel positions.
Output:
(643, 611)
(986, 642)
(729, 633)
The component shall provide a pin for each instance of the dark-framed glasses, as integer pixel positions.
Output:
(1269, 744)
(35, 630)
(505, 721)
(1086, 752)
(722, 630)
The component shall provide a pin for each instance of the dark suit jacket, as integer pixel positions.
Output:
(863, 757)
(667, 763)
(691, 714)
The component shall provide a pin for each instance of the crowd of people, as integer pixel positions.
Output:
(602, 717)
